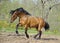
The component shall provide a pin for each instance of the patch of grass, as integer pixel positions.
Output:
(5, 27)
(54, 32)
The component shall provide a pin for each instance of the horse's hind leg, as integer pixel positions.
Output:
(36, 35)
(17, 29)
(40, 32)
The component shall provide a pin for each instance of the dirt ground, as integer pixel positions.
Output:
(13, 38)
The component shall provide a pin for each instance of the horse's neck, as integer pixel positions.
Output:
(22, 15)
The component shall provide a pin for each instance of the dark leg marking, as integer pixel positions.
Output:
(26, 33)
(40, 32)
(17, 29)
(36, 35)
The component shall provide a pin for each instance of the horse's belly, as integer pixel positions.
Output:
(33, 24)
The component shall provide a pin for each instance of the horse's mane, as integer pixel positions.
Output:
(12, 11)
(21, 10)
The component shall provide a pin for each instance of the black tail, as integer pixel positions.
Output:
(46, 26)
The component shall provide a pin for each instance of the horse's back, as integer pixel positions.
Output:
(33, 21)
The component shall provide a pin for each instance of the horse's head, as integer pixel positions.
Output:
(17, 12)
(13, 15)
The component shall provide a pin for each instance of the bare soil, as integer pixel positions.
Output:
(13, 38)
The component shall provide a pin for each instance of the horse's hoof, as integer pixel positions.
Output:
(28, 37)
(34, 37)
(17, 32)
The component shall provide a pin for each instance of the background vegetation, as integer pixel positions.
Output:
(47, 9)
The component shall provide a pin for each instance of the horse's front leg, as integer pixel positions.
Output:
(17, 29)
(26, 28)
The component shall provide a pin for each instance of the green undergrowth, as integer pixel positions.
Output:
(6, 27)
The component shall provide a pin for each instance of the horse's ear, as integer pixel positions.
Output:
(12, 11)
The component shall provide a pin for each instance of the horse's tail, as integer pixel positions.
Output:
(46, 26)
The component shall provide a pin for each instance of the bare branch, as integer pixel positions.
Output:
(53, 6)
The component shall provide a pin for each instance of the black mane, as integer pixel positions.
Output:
(21, 10)
(12, 11)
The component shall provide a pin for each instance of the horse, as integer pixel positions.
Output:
(27, 20)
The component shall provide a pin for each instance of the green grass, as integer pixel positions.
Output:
(6, 27)
(31, 31)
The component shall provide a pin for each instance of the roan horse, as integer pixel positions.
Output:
(26, 20)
